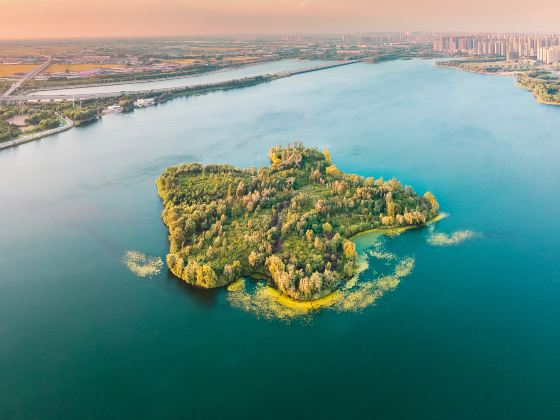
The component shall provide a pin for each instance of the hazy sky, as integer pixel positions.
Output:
(85, 18)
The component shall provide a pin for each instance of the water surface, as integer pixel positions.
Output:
(471, 333)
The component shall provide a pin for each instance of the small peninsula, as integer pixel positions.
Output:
(290, 222)
(541, 80)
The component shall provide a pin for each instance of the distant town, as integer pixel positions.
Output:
(543, 48)
(32, 73)
(72, 63)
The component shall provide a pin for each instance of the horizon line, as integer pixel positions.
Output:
(263, 34)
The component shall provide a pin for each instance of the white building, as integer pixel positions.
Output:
(141, 103)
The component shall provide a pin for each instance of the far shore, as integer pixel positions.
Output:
(180, 91)
(486, 73)
(501, 74)
(162, 78)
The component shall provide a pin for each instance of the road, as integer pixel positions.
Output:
(27, 77)
(33, 98)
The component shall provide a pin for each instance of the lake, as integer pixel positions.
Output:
(472, 332)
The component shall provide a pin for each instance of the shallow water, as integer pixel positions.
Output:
(472, 332)
(225, 75)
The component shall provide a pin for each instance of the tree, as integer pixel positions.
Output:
(240, 191)
(390, 205)
(349, 249)
(206, 276)
(434, 205)
(309, 235)
(319, 244)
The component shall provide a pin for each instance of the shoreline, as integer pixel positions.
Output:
(537, 99)
(327, 299)
(184, 91)
(394, 230)
(503, 74)
(319, 302)
(331, 298)
(485, 73)
(38, 136)
(158, 79)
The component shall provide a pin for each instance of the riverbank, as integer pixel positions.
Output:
(474, 71)
(166, 94)
(104, 89)
(68, 124)
(153, 79)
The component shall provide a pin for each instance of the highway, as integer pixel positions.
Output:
(27, 77)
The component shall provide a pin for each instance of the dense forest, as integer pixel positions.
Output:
(290, 222)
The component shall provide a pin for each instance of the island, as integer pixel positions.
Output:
(290, 223)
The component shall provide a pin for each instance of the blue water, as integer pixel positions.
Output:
(261, 69)
(471, 333)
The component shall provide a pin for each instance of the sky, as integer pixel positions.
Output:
(104, 18)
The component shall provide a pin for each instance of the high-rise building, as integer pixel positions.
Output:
(511, 46)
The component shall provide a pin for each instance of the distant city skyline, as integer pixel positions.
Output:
(37, 19)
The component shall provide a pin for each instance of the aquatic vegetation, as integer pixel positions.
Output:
(443, 239)
(289, 223)
(267, 302)
(356, 295)
(142, 265)
(404, 267)
(442, 215)
(382, 255)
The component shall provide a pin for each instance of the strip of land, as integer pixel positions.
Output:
(541, 80)
(90, 107)
(67, 124)
(46, 98)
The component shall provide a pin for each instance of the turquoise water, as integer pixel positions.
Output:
(471, 333)
(262, 69)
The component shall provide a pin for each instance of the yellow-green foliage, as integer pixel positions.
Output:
(289, 223)
(545, 85)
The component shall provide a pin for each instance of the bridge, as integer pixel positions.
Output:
(27, 77)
